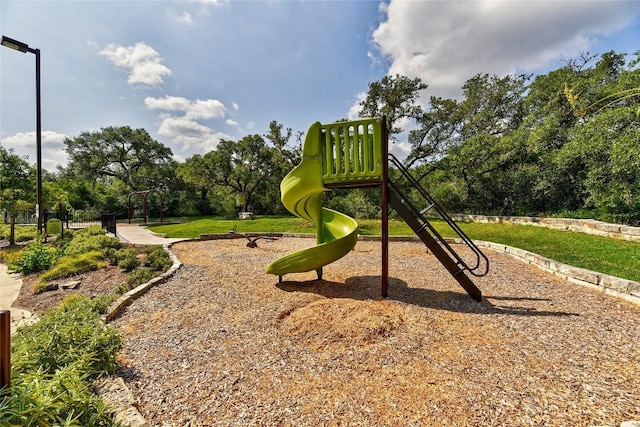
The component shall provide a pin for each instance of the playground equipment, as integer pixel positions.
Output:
(355, 154)
(253, 240)
(144, 194)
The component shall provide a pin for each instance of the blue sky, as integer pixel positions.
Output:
(193, 72)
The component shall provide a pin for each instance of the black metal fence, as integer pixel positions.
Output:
(109, 222)
(76, 219)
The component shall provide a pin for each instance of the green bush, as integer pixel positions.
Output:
(68, 266)
(85, 242)
(54, 362)
(114, 256)
(23, 233)
(157, 258)
(35, 257)
(140, 276)
(129, 261)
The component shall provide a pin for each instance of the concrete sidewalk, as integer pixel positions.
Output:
(135, 234)
(10, 285)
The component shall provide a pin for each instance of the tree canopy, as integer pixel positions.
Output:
(562, 143)
(17, 189)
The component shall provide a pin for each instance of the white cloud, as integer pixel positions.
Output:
(207, 109)
(185, 129)
(23, 140)
(24, 145)
(189, 133)
(232, 123)
(352, 114)
(172, 126)
(447, 42)
(214, 3)
(235, 105)
(170, 103)
(198, 109)
(185, 18)
(206, 4)
(141, 61)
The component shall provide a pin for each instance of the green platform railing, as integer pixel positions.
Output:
(352, 152)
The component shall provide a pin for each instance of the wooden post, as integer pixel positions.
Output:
(385, 207)
(5, 349)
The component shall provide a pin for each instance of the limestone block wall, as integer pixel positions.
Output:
(589, 226)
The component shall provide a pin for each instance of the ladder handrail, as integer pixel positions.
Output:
(479, 255)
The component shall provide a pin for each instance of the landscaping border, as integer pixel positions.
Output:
(588, 226)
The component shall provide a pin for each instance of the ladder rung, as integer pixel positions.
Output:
(422, 227)
(425, 210)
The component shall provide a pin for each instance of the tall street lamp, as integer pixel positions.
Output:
(23, 47)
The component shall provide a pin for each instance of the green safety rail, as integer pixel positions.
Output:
(352, 152)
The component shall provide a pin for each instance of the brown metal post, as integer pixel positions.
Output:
(385, 208)
(144, 206)
(5, 348)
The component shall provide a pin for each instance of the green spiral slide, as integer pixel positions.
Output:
(302, 190)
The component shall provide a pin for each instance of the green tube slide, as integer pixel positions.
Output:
(302, 190)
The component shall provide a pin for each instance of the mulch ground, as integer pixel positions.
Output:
(223, 343)
(90, 284)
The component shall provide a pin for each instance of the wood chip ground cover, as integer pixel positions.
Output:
(223, 343)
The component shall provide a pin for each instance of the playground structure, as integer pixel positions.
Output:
(144, 194)
(354, 154)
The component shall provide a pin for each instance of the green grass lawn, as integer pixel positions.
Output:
(609, 256)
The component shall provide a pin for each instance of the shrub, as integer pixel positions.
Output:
(53, 364)
(114, 256)
(35, 257)
(72, 333)
(85, 242)
(129, 262)
(126, 259)
(140, 276)
(68, 266)
(157, 258)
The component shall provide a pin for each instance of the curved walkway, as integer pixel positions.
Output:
(11, 283)
(137, 235)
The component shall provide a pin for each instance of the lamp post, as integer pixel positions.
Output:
(24, 48)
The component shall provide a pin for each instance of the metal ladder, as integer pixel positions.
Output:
(416, 218)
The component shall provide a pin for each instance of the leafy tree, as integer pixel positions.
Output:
(288, 156)
(128, 155)
(17, 190)
(198, 173)
(604, 143)
(252, 167)
(474, 135)
(243, 166)
(396, 97)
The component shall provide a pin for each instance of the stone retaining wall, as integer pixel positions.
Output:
(589, 226)
(611, 285)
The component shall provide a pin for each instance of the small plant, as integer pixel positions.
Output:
(126, 259)
(114, 256)
(35, 257)
(140, 276)
(129, 261)
(157, 258)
